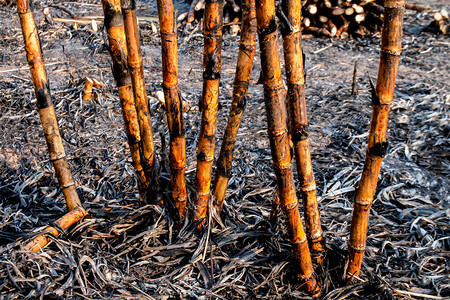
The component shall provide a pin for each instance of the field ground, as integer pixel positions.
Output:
(130, 252)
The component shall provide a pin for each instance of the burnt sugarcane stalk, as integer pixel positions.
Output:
(274, 97)
(45, 105)
(41, 240)
(242, 77)
(209, 105)
(118, 50)
(299, 121)
(174, 109)
(140, 94)
(382, 95)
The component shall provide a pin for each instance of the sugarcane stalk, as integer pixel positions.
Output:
(295, 76)
(382, 96)
(274, 97)
(40, 241)
(209, 104)
(136, 68)
(173, 104)
(119, 53)
(88, 86)
(45, 105)
(240, 86)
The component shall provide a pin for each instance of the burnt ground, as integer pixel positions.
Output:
(130, 252)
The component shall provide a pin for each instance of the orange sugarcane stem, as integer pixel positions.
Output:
(45, 105)
(88, 86)
(140, 94)
(118, 50)
(391, 43)
(40, 241)
(173, 101)
(274, 97)
(209, 105)
(242, 77)
(295, 76)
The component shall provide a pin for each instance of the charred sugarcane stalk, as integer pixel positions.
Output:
(173, 101)
(41, 240)
(242, 77)
(118, 50)
(382, 95)
(209, 104)
(140, 94)
(45, 105)
(274, 97)
(299, 121)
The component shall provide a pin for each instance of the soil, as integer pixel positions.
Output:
(128, 251)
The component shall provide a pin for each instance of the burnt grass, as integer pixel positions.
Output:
(128, 251)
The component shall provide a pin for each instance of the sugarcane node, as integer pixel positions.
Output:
(388, 52)
(223, 171)
(391, 59)
(43, 97)
(247, 48)
(122, 76)
(211, 72)
(178, 130)
(112, 17)
(132, 139)
(168, 34)
(271, 28)
(287, 208)
(23, 6)
(299, 135)
(212, 68)
(202, 156)
(61, 231)
(379, 149)
(286, 26)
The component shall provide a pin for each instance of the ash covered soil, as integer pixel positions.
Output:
(126, 251)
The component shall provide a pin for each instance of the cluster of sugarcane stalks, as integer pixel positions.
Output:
(278, 130)
(124, 45)
(257, 17)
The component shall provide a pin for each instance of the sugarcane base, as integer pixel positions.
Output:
(318, 250)
(306, 275)
(220, 190)
(180, 205)
(201, 209)
(41, 240)
(354, 264)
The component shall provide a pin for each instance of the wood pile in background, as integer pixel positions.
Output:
(440, 23)
(326, 18)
